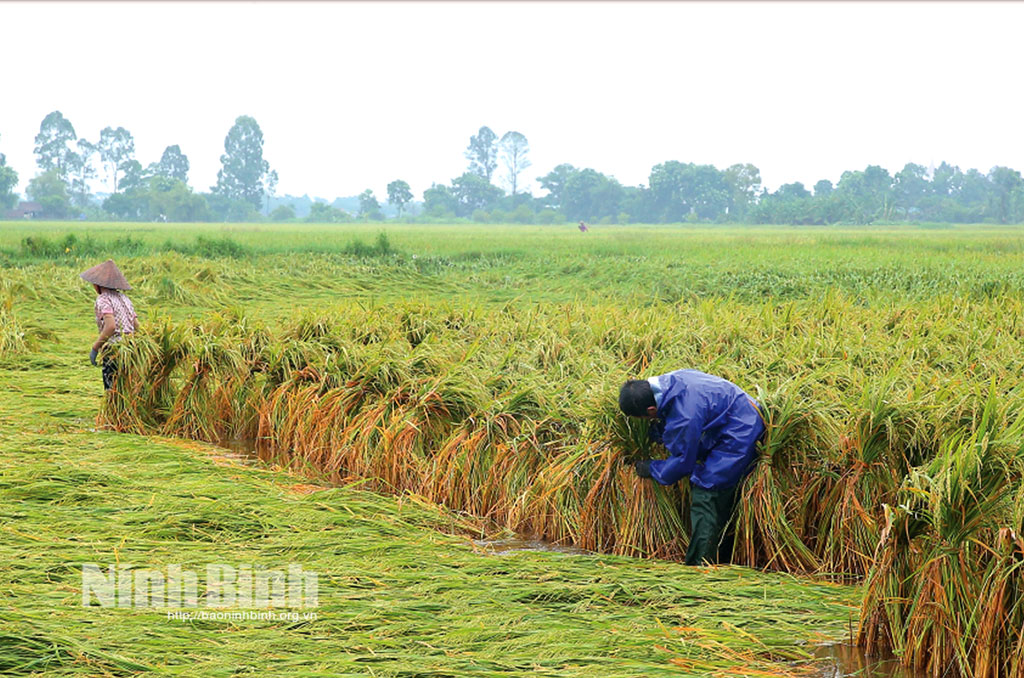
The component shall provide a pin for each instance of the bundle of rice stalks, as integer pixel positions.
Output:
(944, 592)
(860, 475)
(768, 521)
(510, 414)
(143, 391)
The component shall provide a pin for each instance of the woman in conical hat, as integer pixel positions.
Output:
(115, 315)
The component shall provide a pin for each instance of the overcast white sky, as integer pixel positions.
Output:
(353, 95)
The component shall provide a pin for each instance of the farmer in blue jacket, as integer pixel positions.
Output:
(710, 428)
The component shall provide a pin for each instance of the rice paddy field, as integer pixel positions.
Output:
(416, 396)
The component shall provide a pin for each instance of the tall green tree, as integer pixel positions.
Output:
(793, 191)
(942, 200)
(133, 175)
(283, 213)
(744, 184)
(51, 192)
(158, 198)
(399, 195)
(482, 153)
(947, 181)
(822, 188)
(971, 199)
(8, 180)
(554, 183)
(270, 186)
(789, 204)
(589, 194)
(910, 188)
(81, 170)
(680, 189)
(115, 147)
(867, 195)
(53, 147)
(670, 190)
(1007, 191)
(242, 165)
(514, 150)
(369, 207)
(879, 185)
(439, 201)
(826, 207)
(473, 192)
(173, 164)
(635, 205)
(322, 213)
(230, 210)
(974, 188)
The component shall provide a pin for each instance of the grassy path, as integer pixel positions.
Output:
(403, 591)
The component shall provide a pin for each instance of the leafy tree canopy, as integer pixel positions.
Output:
(482, 153)
(399, 194)
(53, 147)
(173, 164)
(242, 165)
(51, 192)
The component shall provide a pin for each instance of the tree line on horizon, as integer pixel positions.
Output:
(676, 191)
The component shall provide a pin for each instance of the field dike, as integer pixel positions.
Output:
(894, 452)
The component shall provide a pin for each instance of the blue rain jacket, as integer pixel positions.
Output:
(709, 426)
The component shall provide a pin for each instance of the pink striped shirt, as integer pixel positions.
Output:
(120, 306)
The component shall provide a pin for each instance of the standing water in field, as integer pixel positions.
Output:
(844, 660)
(242, 449)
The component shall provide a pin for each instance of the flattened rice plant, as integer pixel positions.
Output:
(865, 469)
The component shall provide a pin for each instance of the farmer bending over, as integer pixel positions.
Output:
(710, 428)
(115, 315)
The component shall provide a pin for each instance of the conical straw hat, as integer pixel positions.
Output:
(106, 274)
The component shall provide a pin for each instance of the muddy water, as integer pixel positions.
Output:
(843, 660)
(243, 449)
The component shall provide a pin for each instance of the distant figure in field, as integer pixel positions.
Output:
(710, 428)
(115, 315)
(583, 227)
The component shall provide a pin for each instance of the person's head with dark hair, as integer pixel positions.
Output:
(636, 399)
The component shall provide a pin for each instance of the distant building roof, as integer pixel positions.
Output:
(24, 210)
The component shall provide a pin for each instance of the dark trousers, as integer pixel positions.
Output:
(710, 514)
(109, 368)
